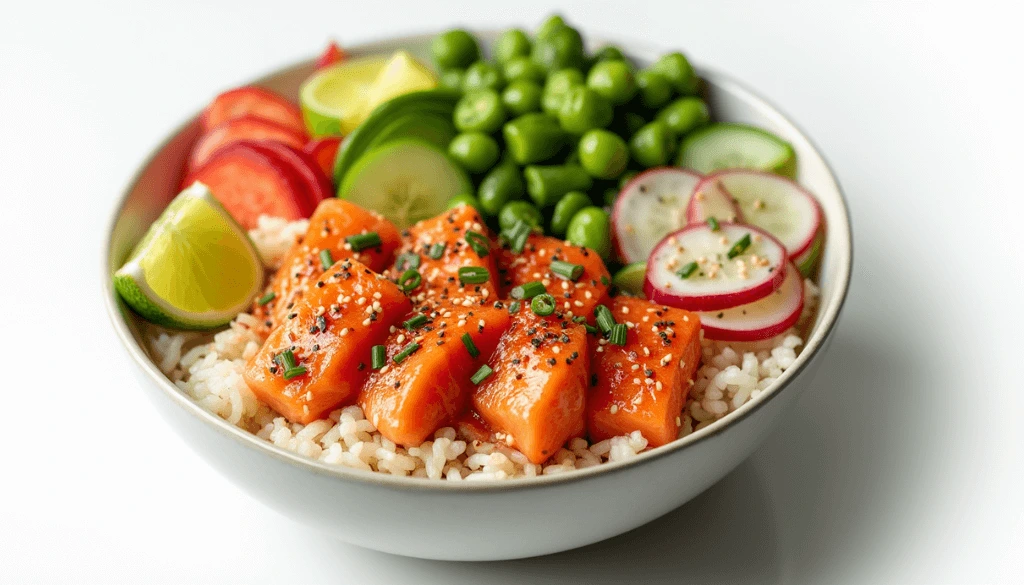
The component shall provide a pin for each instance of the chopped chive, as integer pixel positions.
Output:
(528, 290)
(363, 241)
(618, 334)
(470, 346)
(713, 223)
(605, 320)
(687, 271)
(294, 372)
(605, 281)
(409, 280)
(437, 250)
(514, 307)
(407, 351)
(517, 235)
(567, 270)
(377, 357)
(415, 322)
(407, 260)
(590, 328)
(474, 275)
(739, 247)
(482, 374)
(266, 298)
(326, 260)
(479, 242)
(286, 359)
(543, 304)
(579, 319)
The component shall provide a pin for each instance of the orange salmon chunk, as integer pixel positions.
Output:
(534, 399)
(408, 400)
(643, 385)
(329, 333)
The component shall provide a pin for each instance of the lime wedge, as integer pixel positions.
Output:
(333, 101)
(402, 74)
(195, 268)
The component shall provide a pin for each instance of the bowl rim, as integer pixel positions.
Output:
(828, 315)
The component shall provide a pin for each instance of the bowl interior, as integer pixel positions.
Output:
(157, 181)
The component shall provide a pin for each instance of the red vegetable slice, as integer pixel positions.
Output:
(324, 151)
(316, 185)
(648, 208)
(237, 129)
(332, 55)
(253, 101)
(761, 319)
(249, 183)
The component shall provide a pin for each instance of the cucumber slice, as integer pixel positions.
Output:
(736, 146)
(630, 279)
(405, 180)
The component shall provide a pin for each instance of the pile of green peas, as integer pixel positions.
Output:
(551, 134)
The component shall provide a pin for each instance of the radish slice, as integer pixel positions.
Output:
(710, 199)
(773, 203)
(648, 208)
(761, 319)
(691, 268)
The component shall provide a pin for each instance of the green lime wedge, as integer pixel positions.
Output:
(630, 278)
(333, 100)
(402, 74)
(195, 268)
(405, 180)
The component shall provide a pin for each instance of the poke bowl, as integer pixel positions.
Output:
(413, 368)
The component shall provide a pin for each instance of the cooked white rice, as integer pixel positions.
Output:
(211, 373)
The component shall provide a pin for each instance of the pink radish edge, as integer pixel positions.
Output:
(789, 315)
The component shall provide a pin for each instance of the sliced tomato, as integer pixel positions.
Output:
(332, 55)
(324, 151)
(238, 129)
(315, 185)
(253, 101)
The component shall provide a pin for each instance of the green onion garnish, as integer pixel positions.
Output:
(363, 241)
(567, 270)
(618, 334)
(514, 307)
(479, 243)
(517, 235)
(481, 374)
(528, 290)
(415, 322)
(286, 359)
(409, 280)
(474, 275)
(437, 250)
(739, 247)
(543, 304)
(294, 372)
(470, 346)
(605, 320)
(326, 260)
(406, 352)
(687, 271)
(713, 223)
(266, 298)
(377, 357)
(407, 260)
(590, 328)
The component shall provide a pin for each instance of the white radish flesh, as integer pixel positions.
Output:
(761, 319)
(649, 207)
(710, 199)
(692, 268)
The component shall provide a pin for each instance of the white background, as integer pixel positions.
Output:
(903, 465)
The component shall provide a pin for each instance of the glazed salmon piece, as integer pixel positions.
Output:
(535, 397)
(578, 297)
(643, 385)
(408, 401)
(332, 223)
(440, 248)
(329, 331)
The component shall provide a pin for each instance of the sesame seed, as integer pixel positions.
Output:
(614, 409)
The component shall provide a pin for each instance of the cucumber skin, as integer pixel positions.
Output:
(438, 102)
(786, 169)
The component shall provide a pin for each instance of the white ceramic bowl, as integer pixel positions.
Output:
(495, 520)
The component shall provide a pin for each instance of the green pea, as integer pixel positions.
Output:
(482, 75)
(589, 228)
(632, 122)
(609, 53)
(565, 209)
(479, 111)
(564, 48)
(549, 26)
(454, 49)
(626, 177)
(652, 145)
(583, 109)
(464, 198)
(521, 97)
(513, 211)
(452, 78)
(573, 157)
(613, 80)
(685, 115)
(603, 154)
(655, 89)
(475, 151)
(533, 138)
(557, 87)
(523, 68)
(503, 184)
(547, 184)
(679, 72)
(511, 43)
